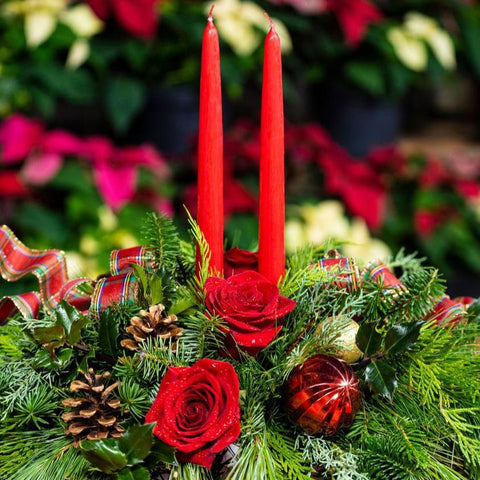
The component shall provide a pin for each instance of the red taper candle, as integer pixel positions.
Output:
(271, 249)
(210, 147)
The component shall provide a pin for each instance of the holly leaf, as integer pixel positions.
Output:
(139, 473)
(104, 455)
(141, 276)
(51, 338)
(136, 442)
(162, 453)
(67, 315)
(368, 339)
(156, 289)
(44, 360)
(108, 331)
(402, 336)
(72, 320)
(380, 376)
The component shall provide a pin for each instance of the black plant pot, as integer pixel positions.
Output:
(356, 120)
(170, 119)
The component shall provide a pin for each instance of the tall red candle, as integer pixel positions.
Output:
(271, 250)
(210, 147)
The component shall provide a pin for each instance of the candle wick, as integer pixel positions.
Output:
(210, 15)
(270, 21)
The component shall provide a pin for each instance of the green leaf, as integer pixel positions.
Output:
(43, 359)
(142, 276)
(139, 473)
(124, 98)
(108, 331)
(367, 76)
(72, 320)
(402, 336)
(381, 378)
(162, 453)
(44, 335)
(136, 442)
(104, 454)
(156, 289)
(368, 339)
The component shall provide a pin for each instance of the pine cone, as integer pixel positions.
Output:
(153, 324)
(94, 412)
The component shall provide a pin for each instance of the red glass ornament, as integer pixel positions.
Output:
(322, 395)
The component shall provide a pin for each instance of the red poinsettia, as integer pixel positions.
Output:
(42, 152)
(139, 17)
(354, 17)
(197, 410)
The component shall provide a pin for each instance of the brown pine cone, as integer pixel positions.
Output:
(152, 324)
(94, 411)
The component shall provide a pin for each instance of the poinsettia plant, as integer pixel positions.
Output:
(378, 47)
(429, 204)
(50, 179)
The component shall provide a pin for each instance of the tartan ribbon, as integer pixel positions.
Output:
(121, 285)
(343, 271)
(50, 269)
(379, 272)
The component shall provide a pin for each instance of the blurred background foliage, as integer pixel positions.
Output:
(99, 114)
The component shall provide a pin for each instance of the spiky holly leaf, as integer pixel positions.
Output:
(368, 339)
(51, 338)
(136, 442)
(72, 321)
(108, 331)
(380, 376)
(402, 336)
(105, 455)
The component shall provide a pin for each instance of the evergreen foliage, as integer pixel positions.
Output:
(426, 428)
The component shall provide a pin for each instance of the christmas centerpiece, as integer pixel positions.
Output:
(188, 362)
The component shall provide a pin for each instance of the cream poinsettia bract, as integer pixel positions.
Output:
(42, 16)
(240, 24)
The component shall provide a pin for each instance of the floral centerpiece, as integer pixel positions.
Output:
(334, 373)
(185, 362)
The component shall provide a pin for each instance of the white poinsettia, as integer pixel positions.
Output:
(42, 16)
(438, 39)
(409, 42)
(238, 23)
(411, 51)
(316, 224)
(362, 246)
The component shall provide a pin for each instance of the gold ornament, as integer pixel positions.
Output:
(346, 340)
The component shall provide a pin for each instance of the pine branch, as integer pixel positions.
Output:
(161, 234)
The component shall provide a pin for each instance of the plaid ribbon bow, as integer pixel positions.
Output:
(49, 266)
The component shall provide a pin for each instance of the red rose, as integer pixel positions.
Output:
(251, 306)
(237, 260)
(197, 410)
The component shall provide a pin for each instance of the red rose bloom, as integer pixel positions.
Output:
(251, 306)
(237, 260)
(197, 410)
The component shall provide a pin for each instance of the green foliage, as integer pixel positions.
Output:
(161, 234)
(114, 455)
(66, 329)
(124, 98)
